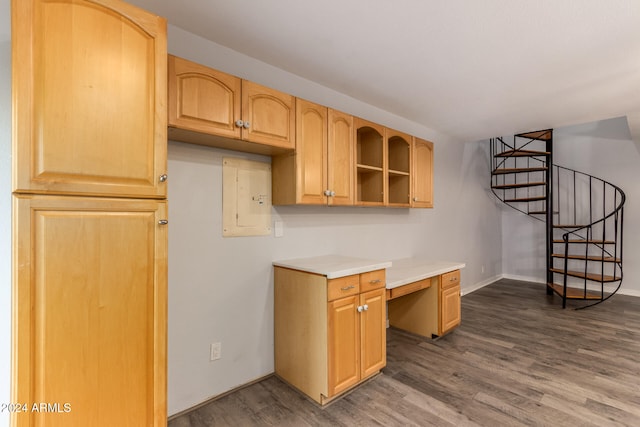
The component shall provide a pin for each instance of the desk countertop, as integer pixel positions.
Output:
(399, 272)
(409, 270)
(333, 266)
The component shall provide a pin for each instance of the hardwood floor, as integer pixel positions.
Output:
(518, 359)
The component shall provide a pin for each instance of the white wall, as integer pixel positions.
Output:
(606, 150)
(5, 205)
(221, 289)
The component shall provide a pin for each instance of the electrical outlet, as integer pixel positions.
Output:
(216, 351)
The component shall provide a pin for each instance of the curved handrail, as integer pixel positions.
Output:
(623, 196)
(617, 214)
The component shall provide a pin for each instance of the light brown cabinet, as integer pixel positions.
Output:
(209, 107)
(90, 273)
(330, 334)
(89, 86)
(449, 302)
(90, 312)
(422, 185)
(340, 171)
(320, 156)
(320, 171)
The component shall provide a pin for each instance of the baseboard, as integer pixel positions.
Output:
(622, 291)
(629, 292)
(218, 396)
(524, 278)
(479, 285)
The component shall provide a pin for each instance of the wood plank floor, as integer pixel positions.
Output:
(518, 359)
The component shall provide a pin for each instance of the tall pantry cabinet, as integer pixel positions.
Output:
(89, 213)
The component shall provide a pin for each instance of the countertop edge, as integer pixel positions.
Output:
(334, 270)
(440, 269)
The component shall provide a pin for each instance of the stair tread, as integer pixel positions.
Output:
(542, 212)
(526, 199)
(522, 153)
(589, 257)
(575, 293)
(541, 135)
(569, 225)
(588, 276)
(596, 242)
(518, 170)
(518, 185)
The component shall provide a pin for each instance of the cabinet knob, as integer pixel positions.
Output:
(239, 123)
(360, 309)
(365, 307)
(163, 222)
(163, 177)
(415, 199)
(333, 193)
(327, 193)
(246, 125)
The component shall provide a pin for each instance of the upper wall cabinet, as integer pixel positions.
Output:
(398, 168)
(371, 160)
(340, 170)
(203, 100)
(89, 100)
(321, 169)
(422, 174)
(209, 107)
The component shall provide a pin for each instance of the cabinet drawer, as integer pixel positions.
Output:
(450, 279)
(372, 280)
(410, 288)
(343, 287)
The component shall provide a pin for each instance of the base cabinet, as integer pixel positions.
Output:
(330, 334)
(449, 302)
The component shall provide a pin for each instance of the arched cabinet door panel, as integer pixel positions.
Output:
(89, 98)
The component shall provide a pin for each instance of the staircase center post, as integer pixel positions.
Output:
(549, 211)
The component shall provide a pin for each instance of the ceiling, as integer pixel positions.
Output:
(471, 69)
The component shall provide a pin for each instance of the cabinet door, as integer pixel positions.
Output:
(343, 343)
(311, 152)
(203, 99)
(269, 116)
(373, 341)
(89, 90)
(90, 310)
(340, 163)
(422, 174)
(449, 308)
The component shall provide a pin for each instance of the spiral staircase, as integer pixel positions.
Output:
(583, 216)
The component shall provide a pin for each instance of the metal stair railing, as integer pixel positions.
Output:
(607, 226)
(591, 208)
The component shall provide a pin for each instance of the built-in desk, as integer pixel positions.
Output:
(329, 316)
(423, 297)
